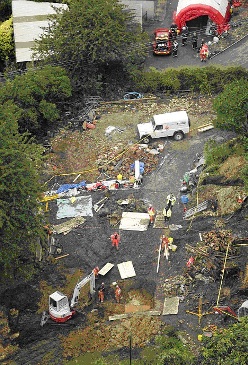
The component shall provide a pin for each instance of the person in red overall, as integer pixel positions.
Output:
(96, 271)
(101, 293)
(115, 239)
(204, 53)
(118, 294)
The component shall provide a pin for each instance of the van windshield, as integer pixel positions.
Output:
(153, 123)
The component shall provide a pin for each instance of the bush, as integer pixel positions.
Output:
(207, 80)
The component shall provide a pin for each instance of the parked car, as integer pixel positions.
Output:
(162, 43)
(133, 95)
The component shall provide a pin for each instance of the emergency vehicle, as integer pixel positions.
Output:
(162, 44)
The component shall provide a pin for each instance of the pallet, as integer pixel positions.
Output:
(206, 127)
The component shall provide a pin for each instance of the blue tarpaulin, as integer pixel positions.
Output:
(65, 187)
(142, 167)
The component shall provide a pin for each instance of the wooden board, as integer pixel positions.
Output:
(67, 226)
(127, 315)
(133, 221)
(106, 268)
(159, 220)
(170, 306)
(126, 269)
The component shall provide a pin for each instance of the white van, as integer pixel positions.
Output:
(175, 124)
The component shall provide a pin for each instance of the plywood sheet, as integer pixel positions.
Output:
(67, 226)
(126, 269)
(106, 268)
(170, 306)
(133, 221)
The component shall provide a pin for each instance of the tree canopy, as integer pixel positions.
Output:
(228, 346)
(232, 107)
(37, 93)
(6, 41)
(20, 221)
(96, 41)
(5, 9)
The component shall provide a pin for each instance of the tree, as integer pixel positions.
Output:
(96, 41)
(5, 9)
(232, 107)
(228, 346)
(20, 222)
(6, 41)
(37, 94)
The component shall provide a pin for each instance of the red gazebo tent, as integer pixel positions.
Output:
(217, 10)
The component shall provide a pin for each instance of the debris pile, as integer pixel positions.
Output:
(175, 286)
(118, 160)
(210, 252)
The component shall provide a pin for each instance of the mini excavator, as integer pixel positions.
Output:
(60, 309)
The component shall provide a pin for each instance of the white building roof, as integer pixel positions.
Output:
(29, 18)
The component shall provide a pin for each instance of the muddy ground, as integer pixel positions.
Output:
(89, 245)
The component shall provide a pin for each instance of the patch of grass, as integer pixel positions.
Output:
(83, 152)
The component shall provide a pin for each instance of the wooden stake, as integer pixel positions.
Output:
(61, 257)
(159, 254)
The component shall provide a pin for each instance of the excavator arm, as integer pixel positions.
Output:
(90, 278)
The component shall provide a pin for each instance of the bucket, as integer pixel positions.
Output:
(173, 248)
(199, 337)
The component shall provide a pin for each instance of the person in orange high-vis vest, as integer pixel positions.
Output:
(115, 239)
(118, 294)
(96, 271)
(151, 212)
(101, 292)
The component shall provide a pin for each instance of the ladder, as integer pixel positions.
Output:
(199, 208)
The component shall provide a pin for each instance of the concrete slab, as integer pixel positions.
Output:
(171, 306)
(126, 269)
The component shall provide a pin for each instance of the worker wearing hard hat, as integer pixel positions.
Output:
(151, 212)
(115, 239)
(101, 290)
(96, 271)
(171, 200)
(117, 293)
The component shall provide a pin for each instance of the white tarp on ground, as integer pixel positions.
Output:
(126, 269)
(170, 306)
(74, 207)
(29, 17)
(133, 221)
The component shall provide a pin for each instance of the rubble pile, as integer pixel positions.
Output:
(209, 254)
(118, 160)
(175, 286)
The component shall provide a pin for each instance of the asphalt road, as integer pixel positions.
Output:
(236, 55)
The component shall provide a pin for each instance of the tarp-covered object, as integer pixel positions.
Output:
(66, 187)
(217, 11)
